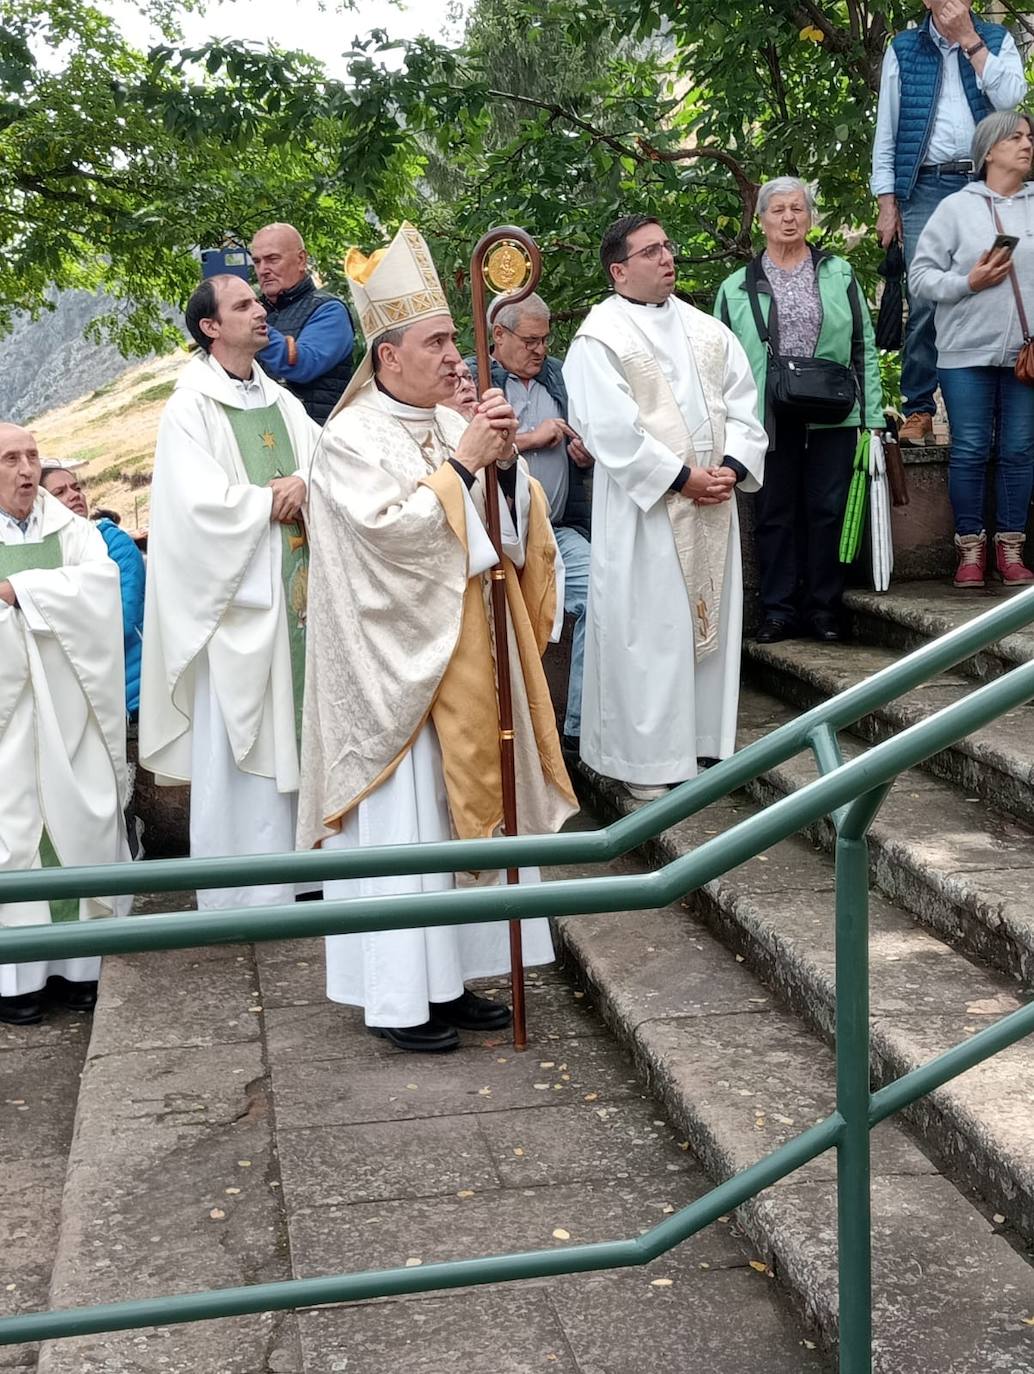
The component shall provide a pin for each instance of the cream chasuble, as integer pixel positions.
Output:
(224, 617)
(652, 388)
(400, 731)
(62, 720)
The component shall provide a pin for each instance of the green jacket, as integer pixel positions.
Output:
(836, 280)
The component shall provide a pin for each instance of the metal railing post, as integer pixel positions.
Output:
(854, 1214)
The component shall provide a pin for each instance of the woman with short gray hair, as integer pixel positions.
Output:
(796, 302)
(975, 260)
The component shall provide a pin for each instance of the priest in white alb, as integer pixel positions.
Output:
(401, 729)
(663, 396)
(62, 718)
(224, 619)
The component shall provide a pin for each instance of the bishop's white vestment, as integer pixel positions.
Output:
(654, 388)
(400, 728)
(62, 720)
(224, 617)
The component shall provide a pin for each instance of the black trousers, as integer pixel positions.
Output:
(799, 514)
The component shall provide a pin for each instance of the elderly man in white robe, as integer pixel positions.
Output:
(663, 396)
(224, 619)
(62, 718)
(401, 729)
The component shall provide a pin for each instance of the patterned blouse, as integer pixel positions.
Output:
(798, 306)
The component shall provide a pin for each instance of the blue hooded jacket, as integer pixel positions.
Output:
(124, 552)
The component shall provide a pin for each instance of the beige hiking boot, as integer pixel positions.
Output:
(916, 430)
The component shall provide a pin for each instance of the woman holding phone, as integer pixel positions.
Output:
(975, 259)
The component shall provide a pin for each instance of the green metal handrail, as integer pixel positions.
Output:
(850, 792)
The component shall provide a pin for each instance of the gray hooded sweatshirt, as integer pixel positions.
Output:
(975, 328)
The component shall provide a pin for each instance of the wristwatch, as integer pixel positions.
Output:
(975, 48)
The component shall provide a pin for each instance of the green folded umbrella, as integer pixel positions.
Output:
(857, 497)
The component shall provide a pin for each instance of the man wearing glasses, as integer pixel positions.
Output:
(664, 398)
(533, 383)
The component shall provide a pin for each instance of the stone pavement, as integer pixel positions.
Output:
(235, 1127)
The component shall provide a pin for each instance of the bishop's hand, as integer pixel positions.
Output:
(490, 435)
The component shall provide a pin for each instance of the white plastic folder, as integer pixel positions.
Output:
(879, 517)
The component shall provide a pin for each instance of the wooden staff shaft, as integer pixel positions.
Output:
(498, 580)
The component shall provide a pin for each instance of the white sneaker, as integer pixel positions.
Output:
(643, 793)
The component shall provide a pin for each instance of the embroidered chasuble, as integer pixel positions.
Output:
(266, 451)
(45, 556)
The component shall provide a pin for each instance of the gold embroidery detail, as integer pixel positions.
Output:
(268, 440)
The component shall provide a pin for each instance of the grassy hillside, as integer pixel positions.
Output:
(113, 430)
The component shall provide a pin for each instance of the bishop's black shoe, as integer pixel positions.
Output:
(429, 1038)
(62, 992)
(471, 1012)
(24, 1009)
(826, 628)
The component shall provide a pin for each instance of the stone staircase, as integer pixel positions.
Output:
(730, 1011)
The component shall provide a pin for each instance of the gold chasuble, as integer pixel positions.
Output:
(46, 556)
(267, 452)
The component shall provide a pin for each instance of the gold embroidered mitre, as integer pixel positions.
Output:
(393, 287)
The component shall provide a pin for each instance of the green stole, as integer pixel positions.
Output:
(266, 451)
(16, 558)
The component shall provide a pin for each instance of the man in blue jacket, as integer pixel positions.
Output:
(533, 383)
(122, 550)
(939, 80)
(310, 331)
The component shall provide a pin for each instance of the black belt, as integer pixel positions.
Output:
(961, 167)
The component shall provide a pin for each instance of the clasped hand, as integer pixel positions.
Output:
(288, 499)
(490, 435)
(709, 486)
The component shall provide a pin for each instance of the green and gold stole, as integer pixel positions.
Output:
(16, 558)
(266, 451)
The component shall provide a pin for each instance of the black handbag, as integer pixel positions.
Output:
(812, 391)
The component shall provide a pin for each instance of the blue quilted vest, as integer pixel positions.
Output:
(921, 65)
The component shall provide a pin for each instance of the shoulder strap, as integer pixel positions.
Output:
(857, 345)
(767, 333)
(1012, 278)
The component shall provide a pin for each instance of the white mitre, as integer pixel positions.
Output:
(394, 286)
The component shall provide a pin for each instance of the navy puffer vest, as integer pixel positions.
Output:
(922, 69)
(290, 313)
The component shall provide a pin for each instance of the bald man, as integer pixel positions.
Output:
(62, 718)
(310, 331)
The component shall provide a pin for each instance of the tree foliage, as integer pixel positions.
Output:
(557, 115)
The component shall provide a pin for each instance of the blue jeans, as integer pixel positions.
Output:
(919, 358)
(988, 407)
(574, 550)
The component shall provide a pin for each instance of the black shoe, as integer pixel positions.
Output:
(429, 1038)
(706, 761)
(826, 628)
(772, 631)
(470, 1012)
(25, 1009)
(62, 992)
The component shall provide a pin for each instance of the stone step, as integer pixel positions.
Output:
(995, 763)
(39, 1085)
(910, 614)
(777, 913)
(740, 1075)
(955, 862)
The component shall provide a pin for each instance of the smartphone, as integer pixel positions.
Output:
(1007, 241)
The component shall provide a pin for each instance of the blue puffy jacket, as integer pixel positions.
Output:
(131, 573)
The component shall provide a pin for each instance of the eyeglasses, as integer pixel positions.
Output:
(652, 252)
(530, 341)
